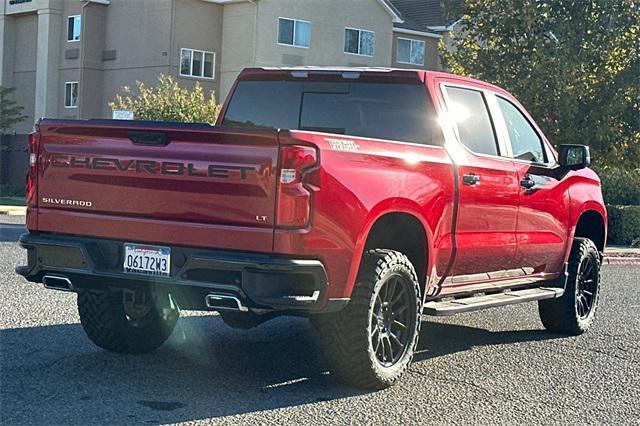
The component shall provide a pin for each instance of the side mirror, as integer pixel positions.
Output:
(574, 157)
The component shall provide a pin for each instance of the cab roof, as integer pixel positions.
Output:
(378, 74)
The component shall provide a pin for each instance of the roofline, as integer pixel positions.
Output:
(391, 9)
(223, 2)
(444, 28)
(396, 17)
(415, 32)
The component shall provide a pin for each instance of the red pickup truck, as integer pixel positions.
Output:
(361, 198)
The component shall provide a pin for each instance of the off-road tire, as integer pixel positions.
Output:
(104, 320)
(346, 336)
(562, 315)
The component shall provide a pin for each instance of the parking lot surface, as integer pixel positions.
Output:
(493, 367)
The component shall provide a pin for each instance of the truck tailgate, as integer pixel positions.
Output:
(153, 182)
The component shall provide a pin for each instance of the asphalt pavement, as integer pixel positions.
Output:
(493, 367)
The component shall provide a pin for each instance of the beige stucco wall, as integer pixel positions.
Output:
(197, 25)
(328, 21)
(24, 67)
(238, 49)
(139, 33)
(69, 69)
(147, 35)
(431, 57)
(91, 60)
(7, 47)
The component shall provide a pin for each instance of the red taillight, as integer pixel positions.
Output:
(32, 173)
(294, 198)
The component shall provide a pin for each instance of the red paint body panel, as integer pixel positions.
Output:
(585, 195)
(232, 181)
(356, 188)
(543, 223)
(487, 217)
(494, 227)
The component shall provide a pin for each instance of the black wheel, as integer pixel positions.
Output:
(574, 312)
(133, 328)
(371, 342)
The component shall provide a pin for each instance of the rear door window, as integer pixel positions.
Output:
(468, 110)
(401, 112)
(525, 142)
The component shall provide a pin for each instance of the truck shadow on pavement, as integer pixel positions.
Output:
(10, 232)
(54, 375)
(438, 339)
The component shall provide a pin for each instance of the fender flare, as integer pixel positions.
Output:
(589, 205)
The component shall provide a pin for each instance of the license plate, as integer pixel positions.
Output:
(144, 259)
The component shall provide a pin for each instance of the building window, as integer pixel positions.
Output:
(294, 32)
(197, 63)
(71, 94)
(74, 26)
(359, 42)
(410, 51)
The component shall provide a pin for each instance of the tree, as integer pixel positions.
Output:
(168, 102)
(573, 63)
(10, 111)
(451, 10)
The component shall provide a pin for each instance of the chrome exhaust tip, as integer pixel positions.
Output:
(224, 302)
(57, 282)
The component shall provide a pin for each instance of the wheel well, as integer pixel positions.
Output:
(591, 225)
(404, 233)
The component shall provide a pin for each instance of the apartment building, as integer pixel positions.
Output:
(68, 58)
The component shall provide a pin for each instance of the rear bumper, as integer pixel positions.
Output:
(261, 282)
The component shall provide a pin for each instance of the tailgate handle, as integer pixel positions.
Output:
(149, 138)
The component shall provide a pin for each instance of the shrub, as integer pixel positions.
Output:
(168, 102)
(620, 186)
(8, 190)
(624, 224)
(10, 111)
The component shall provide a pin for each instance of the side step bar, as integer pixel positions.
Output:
(475, 303)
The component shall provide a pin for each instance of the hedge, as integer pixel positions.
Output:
(624, 225)
(620, 186)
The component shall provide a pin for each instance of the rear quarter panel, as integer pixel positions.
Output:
(360, 181)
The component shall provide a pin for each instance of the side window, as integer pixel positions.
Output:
(525, 142)
(468, 109)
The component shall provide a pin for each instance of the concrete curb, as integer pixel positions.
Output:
(13, 210)
(621, 260)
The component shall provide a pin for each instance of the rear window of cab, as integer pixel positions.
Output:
(393, 111)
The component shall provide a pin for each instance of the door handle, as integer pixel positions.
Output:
(527, 182)
(470, 179)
